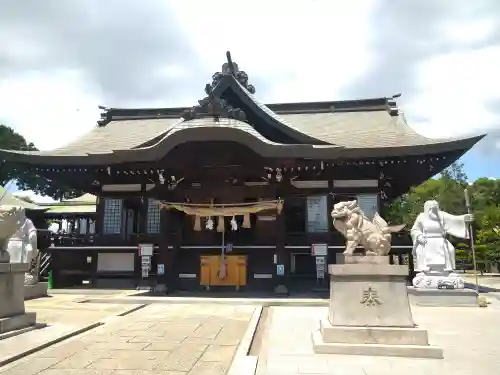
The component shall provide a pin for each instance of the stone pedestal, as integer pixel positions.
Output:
(369, 312)
(12, 312)
(36, 290)
(438, 280)
(443, 297)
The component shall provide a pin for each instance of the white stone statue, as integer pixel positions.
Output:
(10, 220)
(434, 255)
(22, 244)
(374, 235)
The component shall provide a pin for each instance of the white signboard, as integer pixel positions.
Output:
(145, 272)
(161, 269)
(317, 214)
(320, 261)
(320, 267)
(319, 249)
(146, 249)
(280, 269)
(368, 204)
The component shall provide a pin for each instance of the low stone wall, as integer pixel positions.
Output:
(35, 291)
(443, 297)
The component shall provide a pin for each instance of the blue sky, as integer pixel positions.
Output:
(477, 164)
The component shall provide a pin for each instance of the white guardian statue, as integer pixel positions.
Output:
(22, 244)
(434, 255)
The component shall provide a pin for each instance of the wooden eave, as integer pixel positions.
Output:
(220, 133)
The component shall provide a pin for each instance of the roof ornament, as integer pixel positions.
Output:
(241, 76)
(214, 106)
(392, 105)
(105, 116)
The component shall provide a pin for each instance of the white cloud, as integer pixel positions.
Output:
(454, 92)
(306, 50)
(303, 51)
(49, 108)
(468, 31)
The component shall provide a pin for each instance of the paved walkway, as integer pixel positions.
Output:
(158, 339)
(487, 281)
(64, 316)
(468, 335)
(63, 309)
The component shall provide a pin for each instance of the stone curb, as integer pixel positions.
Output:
(229, 301)
(126, 312)
(243, 364)
(49, 343)
(69, 335)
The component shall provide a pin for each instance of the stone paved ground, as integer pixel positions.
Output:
(490, 280)
(468, 335)
(63, 315)
(175, 339)
(62, 309)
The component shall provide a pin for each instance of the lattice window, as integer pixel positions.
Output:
(112, 221)
(368, 204)
(317, 214)
(153, 216)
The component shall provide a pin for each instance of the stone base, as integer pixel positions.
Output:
(17, 322)
(369, 312)
(37, 290)
(160, 289)
(374, 341)
(408, 351)
(368, 291)
(281, 290)
(438, 281)
(373, 335)
(443, 297)
(12, 289)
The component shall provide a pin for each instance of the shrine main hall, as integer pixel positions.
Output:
(232, 193)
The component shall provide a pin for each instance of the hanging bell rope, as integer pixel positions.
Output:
(231, 209)
(197, 223)
(220, 224)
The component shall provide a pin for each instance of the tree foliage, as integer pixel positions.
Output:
(448, 190)
(23, 177)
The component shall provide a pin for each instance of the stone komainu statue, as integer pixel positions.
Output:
(373, 235)
(18, 238)
(10, 221)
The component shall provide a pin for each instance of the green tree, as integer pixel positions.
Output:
(23, 177)
(447, 189)
(485, 193)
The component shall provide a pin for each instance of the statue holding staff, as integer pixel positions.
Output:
(434, 255)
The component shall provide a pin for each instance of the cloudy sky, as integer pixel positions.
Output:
(60, 59)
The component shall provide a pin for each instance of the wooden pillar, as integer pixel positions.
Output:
(283, 258)
(168, 248)
(143, 214)
(141, 235)
(99, 227)
(331, 254)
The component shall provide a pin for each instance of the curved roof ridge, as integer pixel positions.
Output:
(208, 122)
(275, 116)
(410, 130)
